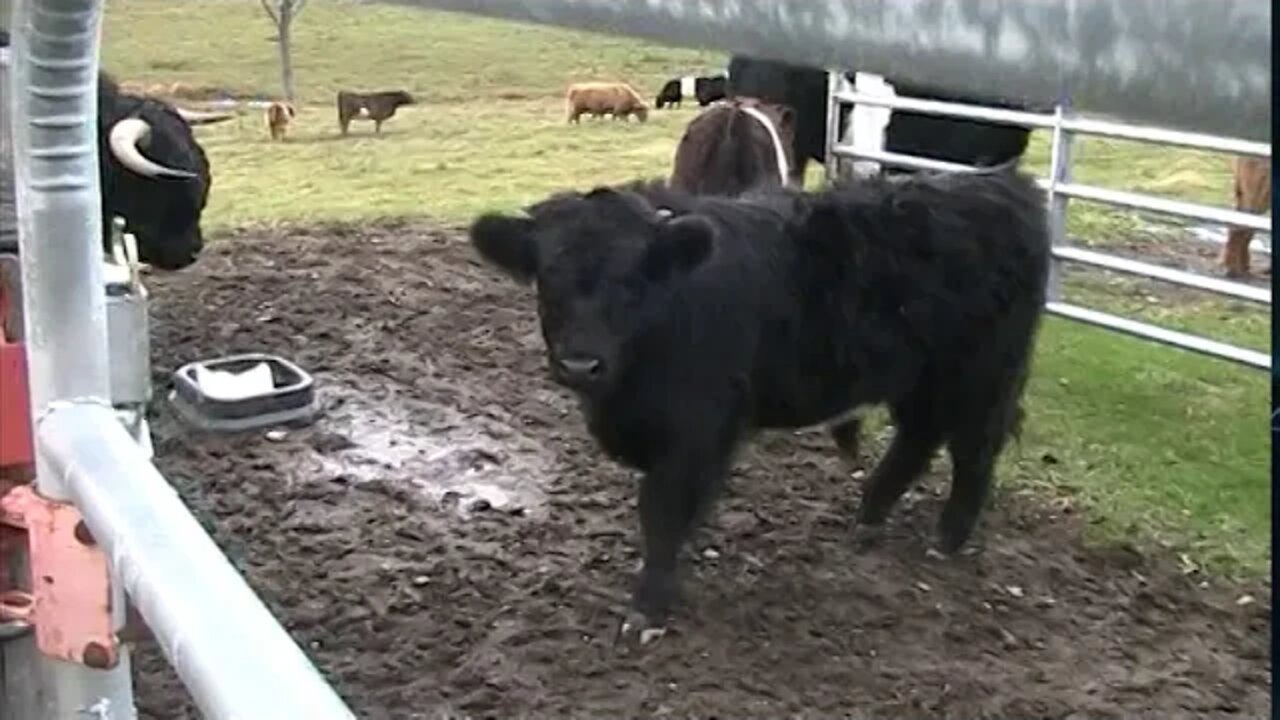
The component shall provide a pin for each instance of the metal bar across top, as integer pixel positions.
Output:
(1113, 58)
(1085, 126)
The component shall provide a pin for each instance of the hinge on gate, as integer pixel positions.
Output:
(66, 598)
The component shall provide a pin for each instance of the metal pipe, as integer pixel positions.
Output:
(1185, 64)
(1194, 343)
(55, 132)
(1059, 172)
(53, 116)
(1086, 126)
(8, 210)
(1156, 272)
(1176, 208)
(1136, 201)
(232, 655)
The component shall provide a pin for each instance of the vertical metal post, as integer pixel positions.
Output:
(1059, 172)
(53, 116)
(834, 83)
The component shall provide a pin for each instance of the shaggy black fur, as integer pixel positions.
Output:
(682, 332)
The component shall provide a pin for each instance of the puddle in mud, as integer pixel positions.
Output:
(466, 464)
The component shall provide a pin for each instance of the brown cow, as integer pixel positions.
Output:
(1252, 182)
(598, 98)
(278, 116)
(375, 106)
(734, 146)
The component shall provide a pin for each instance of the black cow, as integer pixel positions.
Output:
(683, 323)
(154, 174)
(969, 142)
(706, 90)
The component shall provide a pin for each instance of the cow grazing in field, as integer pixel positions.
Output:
(685, 323)
(604, 98)
(705, 89)
(154, 174)
(954, 140)
(1251, 183)
(735, 146)
(278, 116)
(375, 106)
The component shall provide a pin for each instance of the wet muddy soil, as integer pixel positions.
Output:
(445, 540)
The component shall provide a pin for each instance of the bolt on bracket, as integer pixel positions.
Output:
(69, 601)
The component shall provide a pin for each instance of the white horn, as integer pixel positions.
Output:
(124, 140)
(199, 117)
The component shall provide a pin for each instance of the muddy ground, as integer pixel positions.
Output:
(446, 541)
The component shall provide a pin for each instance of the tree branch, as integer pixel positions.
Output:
(270, 13)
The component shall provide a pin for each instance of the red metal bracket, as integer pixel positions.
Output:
(69, 600)
(16, 446)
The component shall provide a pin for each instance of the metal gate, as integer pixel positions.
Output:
(1061, 189)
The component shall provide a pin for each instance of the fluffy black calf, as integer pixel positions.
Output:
(684, 323)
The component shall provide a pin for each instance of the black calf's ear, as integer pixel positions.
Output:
(507, 243)
(682, 244)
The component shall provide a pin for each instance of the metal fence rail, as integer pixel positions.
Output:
(1060, 189)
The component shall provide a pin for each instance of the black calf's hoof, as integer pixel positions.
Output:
(868, 535)
(953, 534)
(636, 628)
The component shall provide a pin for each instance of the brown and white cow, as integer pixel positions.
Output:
(278, 116)
(735, 146)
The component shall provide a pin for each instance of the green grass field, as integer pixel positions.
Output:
(1160, 446)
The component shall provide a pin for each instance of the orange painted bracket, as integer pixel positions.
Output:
(16, 446)
(68, 602)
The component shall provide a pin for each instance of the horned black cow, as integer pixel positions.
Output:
(683, 323)
(969, 142)
(705, 90)
(154, 174)
(376, 106)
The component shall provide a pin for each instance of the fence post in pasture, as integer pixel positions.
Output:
(1059, 173)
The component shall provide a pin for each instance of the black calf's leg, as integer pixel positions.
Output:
(848, 436)
(674, 497)
(916, 439)
(974, 447)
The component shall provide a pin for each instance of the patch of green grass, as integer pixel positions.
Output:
(1156, 444)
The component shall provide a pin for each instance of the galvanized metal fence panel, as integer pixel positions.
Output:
(1061, 189)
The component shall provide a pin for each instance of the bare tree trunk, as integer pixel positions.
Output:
(283, 30)
(282, 16)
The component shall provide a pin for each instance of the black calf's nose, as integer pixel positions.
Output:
(582, 367)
